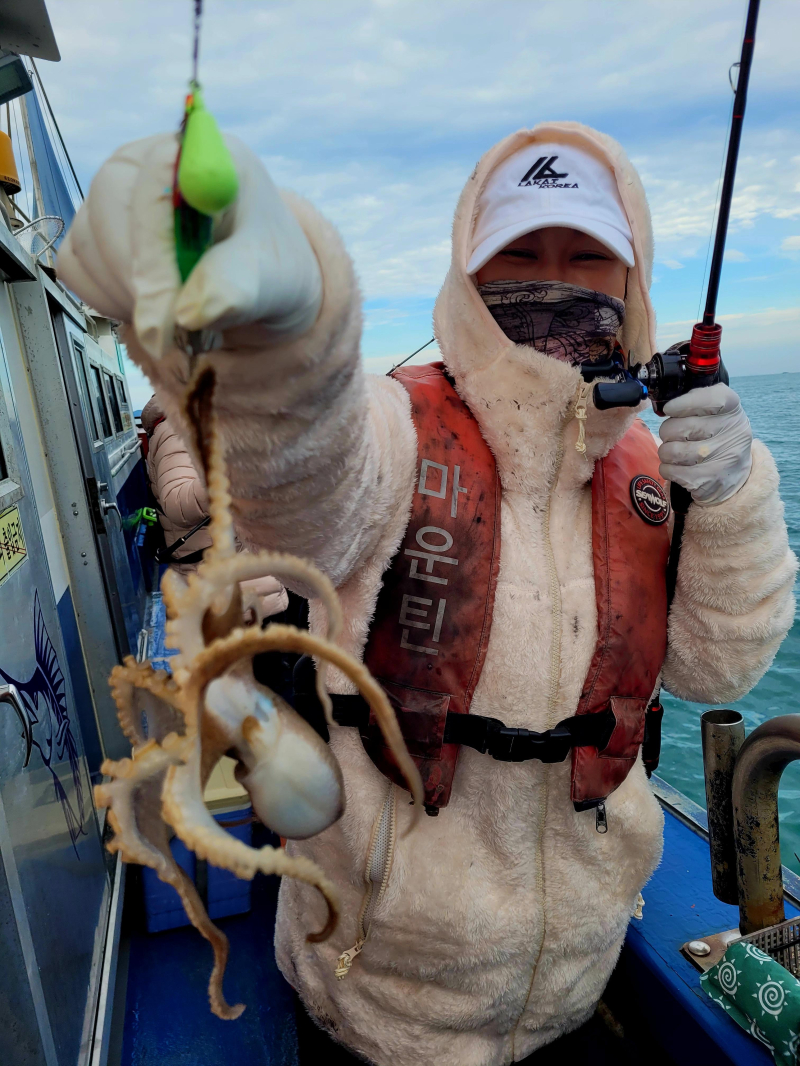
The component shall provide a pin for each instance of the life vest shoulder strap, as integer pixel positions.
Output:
(428, 641)
(630, 544)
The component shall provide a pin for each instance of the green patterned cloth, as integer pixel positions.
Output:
(761, 996)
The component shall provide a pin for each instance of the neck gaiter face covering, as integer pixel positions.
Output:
(564, 321)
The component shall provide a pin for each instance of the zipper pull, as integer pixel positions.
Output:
(600, 820)
(345, 960)
(580, 413)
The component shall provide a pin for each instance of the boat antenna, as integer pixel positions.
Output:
(404, 361)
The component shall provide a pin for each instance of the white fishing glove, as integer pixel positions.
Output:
(119, 253)
(266, 595)
(707, 443)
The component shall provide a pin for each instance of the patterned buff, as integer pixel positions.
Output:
(564, 321)
(761, 996)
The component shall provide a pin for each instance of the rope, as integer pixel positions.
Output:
(58, 131)
(22, 157)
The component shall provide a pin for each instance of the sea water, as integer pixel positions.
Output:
(772, 403)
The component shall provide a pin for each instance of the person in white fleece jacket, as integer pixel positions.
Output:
(494, 927)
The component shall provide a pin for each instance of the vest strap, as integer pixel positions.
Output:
(489, 736)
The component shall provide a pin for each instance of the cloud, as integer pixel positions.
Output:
(375, 317)
(684, 206)
(733, 256)
(790, 244)
(671, 264)
(377, 110)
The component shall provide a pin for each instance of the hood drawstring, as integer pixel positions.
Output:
(581, 403)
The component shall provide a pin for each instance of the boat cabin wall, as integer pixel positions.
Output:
(96, 485)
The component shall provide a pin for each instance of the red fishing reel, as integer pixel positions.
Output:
(688, 365)
(692, 364)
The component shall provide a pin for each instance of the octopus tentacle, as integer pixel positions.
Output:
(203, 420)
(133, 797)
(223, 653)
(201, 591)
(198, 916)
(185, 811)
(166, 717)
(161, 787)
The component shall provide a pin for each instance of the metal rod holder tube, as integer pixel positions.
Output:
(762, 759)
(723, 735)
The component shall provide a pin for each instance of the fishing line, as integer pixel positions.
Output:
(403, 361)
(198, 16)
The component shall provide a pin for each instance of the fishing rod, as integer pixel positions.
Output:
(695, 363)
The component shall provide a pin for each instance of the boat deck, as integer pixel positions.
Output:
(655, 992)
(656, 1012)
(162, 1015)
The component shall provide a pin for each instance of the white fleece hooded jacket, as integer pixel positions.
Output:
(494, 927)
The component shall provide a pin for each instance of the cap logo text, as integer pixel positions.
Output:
(542, 175)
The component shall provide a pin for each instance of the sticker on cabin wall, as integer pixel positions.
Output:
(46, 726)
(12, 542)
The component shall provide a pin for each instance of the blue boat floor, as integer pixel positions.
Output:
(167, 1021)
(162, 1017)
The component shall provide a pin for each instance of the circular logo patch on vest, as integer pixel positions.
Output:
(649, 499)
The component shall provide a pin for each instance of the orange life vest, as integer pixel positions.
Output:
(428, 641)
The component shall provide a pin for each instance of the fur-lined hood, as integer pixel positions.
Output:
(514, 389)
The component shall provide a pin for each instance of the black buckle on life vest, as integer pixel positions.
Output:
(510, 744)
(489, 736)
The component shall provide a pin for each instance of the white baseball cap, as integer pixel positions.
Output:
(549, 185)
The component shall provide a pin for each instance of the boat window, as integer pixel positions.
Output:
(124, 406)
(99, 399)
(10, 480)
(113, 402)
(84, 387)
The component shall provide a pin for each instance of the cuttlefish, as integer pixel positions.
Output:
(179, 727)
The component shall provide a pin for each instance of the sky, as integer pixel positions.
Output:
(377, 110)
